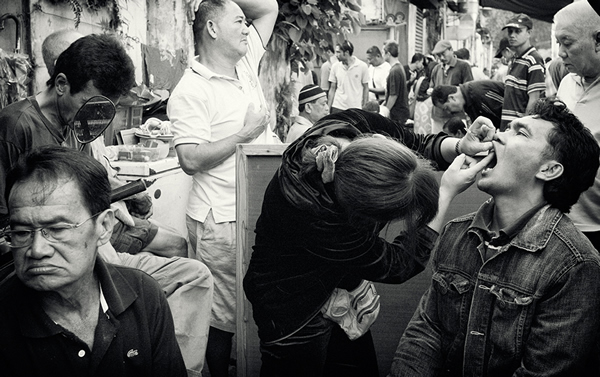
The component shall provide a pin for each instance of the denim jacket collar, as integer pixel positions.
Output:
(533, 236)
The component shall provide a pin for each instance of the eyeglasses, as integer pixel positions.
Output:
(17, 238)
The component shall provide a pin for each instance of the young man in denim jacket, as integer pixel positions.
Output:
(515, 287)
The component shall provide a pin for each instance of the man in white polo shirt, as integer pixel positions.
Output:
(217, 104)
(349, 79)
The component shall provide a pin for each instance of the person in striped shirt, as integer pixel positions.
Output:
(525, 81)
(475, 98)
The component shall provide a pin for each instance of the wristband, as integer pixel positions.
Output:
(457, 147)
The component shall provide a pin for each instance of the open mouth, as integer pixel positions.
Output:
(492, 164)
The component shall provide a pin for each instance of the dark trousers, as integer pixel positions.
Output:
(320, 349)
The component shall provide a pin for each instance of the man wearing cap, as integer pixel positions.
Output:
(312, 106)
(475, 98)
(505, 54)
(525, 81)
(451, 71)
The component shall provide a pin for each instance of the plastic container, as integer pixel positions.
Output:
(148, 150)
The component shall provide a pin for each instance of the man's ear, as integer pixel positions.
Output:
(105, 223)
(211, 27)
(61, 83)
(550, 170)
(307, 108)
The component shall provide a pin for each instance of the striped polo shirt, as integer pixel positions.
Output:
(525, 75)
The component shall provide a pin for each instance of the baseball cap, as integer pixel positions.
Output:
(441, 46)
(519, 20)
(310, 93)
(503, 46)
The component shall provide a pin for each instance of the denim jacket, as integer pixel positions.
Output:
(531, 309)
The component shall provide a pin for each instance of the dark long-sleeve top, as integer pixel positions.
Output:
(306, 246)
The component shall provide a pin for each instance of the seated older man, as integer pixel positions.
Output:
(66, 312)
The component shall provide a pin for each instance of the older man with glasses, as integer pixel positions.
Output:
(66, 312)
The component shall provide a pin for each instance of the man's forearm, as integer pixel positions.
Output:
(196, 158)
(533, 98)
(331, 94)
(391, 101)
(256, 9)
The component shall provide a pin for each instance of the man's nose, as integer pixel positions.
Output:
(40, 247)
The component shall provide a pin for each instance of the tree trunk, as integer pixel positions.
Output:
(275, 81)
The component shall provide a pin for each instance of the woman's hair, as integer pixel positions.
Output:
(381, 180)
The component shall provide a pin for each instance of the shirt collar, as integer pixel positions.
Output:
(452, 61)
(302, 120)
(115, 291)
(526, 52)
(205, 72)
(529, 232)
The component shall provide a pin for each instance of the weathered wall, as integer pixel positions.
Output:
(155, 32)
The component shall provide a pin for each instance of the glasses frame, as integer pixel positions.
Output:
(43, 230)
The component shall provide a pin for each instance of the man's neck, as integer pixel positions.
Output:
(507, 210)
(393, 61)
(217, 62)
(75, 308)
(48, 102)
(349, 61)
(589, 79)
(522, 48)
(306, 116)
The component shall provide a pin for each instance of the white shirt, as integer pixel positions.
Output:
(584, 103)
(349, 81)
(378, 78)
(207, 107)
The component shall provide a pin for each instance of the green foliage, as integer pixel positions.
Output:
(93, 5)
(308, 26)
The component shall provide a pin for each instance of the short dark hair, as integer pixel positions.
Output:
(100, 58)
(329, 48)
(417, 57)
(207, 10)
(462, 53)
(347, 46)
(572, 145)
(47, 165)
(374, 50)
(392, 48)
(440, 94)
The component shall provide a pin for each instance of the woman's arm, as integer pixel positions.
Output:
(458, 177)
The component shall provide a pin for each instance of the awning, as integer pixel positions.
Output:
(426, 4)
(541, 9)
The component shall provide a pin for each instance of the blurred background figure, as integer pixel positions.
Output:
(312, 106)
(378, 73)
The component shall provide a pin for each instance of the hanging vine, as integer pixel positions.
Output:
(93, 5)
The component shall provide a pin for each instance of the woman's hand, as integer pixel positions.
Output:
(479, 137)
(458, 177)
(461, 174)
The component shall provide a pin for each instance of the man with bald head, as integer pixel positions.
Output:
(56, 43)
(578, 36)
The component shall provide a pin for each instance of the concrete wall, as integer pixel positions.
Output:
(155, 33)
